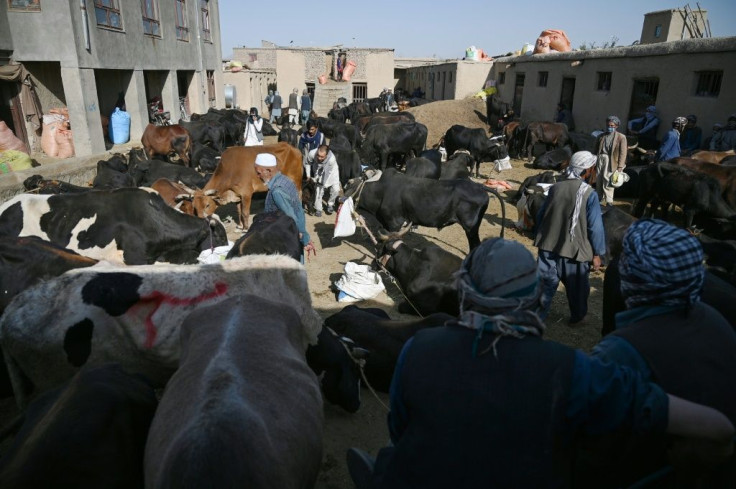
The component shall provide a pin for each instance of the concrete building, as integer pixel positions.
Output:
(284, 68)
(83, 54)
(450, 79)
(674, 25)
(693, 76)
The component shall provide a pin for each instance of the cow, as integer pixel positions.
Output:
(127, 225)
(235, 178)
(39, 185)
(630, 188)
(358, 109)
(514, 138)
(475, 141)
(433, 155)
(339, 114)
(556, 159)
(582, 142)
(425, 273)
(164, 140)
(148, 171)
(402, 138)
(113, 173)
(332, 128)
(420, 167)
(348, 163)
(714, 157)
(395, 199)
(181, 197)
(288, 135)
(728, 161)
(528, 207)
(232, 122)
(550, 133)
(544, 177)
(89, 433)
(456, 167)
(268, 129)
(272, 233)
(364, 122)
(615, 224)
(204, 158)
(205, 132)
(695, 192)
(243, 409)
(725, 175)
(720, 256)
(132, 315)
(375, 331)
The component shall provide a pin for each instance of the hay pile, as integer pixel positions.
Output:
(441, 115)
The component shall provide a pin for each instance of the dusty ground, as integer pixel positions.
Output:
(367, 428)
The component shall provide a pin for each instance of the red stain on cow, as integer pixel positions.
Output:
(158, 298)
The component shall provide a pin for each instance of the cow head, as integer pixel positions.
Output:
(391, 243)
(204, 202)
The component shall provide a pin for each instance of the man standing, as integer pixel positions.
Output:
(611, 151)
(691, 136)
(275, 107)
(326, 176)
(306, 106)
(564, 116)
(671, 145)
(269, 101)
(253, 134)
(283, 195)
(293, 106)
(569, 236)
(645, 128)
(725, 140)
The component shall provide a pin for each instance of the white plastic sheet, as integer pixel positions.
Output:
(359, 282)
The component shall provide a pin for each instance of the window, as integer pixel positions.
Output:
(604, 81)
(204, 6)
(542, 78)
(182, 32)
(502, 78)
(151, 24)
(360, 90)
(25, 5)
(658, 30)
(451, 77)
(107, 13)
(211, 95)
(709, 83)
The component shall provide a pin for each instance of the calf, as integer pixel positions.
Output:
(423, 168)
(243, 409)
(288, 135)
(550, 133)
(205, 132)
(432, 155)
(164, 140)
(148, 171)
(456, 167)
(113, 174)
(204, 158)
(545, 177)
(181, 197)
(383, 337)
(87, 434)
(557, 159)
(37, 184)
(272, 233)
(475, 141)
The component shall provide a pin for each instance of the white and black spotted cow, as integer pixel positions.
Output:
(132, 315)
(129, 225)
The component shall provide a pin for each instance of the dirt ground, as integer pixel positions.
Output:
(367, 428)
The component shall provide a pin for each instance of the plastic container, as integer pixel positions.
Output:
(322, 79)
(348, 71)
(119, 126)
(527, 49)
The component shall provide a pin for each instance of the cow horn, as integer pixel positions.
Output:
(359, 353)
(210, 192)
(382, 236)
(634, 146)
(641, 150)
(183, 197)
(404, 229)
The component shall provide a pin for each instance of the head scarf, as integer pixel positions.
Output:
(499, 290)
(614, 119)
(660, 265)
(580, 161)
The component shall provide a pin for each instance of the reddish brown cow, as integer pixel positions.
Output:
(711, 156)
(235, 178)
(183, 198)
(164, 140)
(725, 175)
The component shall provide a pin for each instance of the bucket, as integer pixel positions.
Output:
(322, 79)
(349, 70)
(119, 126)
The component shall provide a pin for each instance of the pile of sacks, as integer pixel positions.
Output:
(13, 153)
(56, 138)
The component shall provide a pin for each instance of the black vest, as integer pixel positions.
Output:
(485, 421)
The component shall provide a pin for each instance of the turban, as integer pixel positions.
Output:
(614, 119)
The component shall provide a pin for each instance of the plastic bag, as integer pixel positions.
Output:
(502, 164)
(14, 160)
(216, 255)
(344, 223)
(359, 282)
(8, 140)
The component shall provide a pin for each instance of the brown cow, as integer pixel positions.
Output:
(164, 140)
(725, 175)
(183, 198)
(235, 178)
(711, 156)
(550, 133)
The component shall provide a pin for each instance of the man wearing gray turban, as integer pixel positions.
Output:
(484, 401)
(570, 236)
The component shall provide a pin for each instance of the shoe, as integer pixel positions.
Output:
(360, 467)
(318, 214)
(329, 210)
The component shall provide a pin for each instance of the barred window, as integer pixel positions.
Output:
(151, 22)
(107, 14)
(709, 83)
(604, 81)
(25, 5)
(182, 31)
(360, 91)
(542, 79)
(204, 6)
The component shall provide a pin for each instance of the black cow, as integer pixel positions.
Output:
(395, 199)
(630, 188)
(456, 167)
(232, 122)
(147, 172)
(544, 177)
(557, 159)
(338, 358)
(289, 135)
(358, 109)
(332, 128)
(432, 154)
(582, 142)
(130, 225)
(401, 139)
(268, 129)
(204, 158)
(475, 141)
(720, 257)
(113, 173)
(46, 187)
(695, 192)
(340, 143)
(272, 233)
(90, 433)
(348, 162)
(383, 337)
(420, 167)
(364, 122)
(615, 224)
(339, 114)
(205, 132)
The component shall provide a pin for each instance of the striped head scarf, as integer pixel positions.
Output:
(580, 161)
(660, 265)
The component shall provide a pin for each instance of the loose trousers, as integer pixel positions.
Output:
(574, 276)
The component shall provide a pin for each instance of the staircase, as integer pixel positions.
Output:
(327, 94)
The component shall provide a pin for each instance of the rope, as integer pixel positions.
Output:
(365, 379)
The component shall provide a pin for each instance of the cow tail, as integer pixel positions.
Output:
(503, 206)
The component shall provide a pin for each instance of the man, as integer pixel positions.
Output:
(670, 147)
(669, 337)
(293, 106)
(717, 128)
(269, 101)
(310, 139)
(275, 107)
(725, 140)
(253, 134)
(484, 401)
(564, 116)
(691, 136)
(326, 176)
(611, 151)
(282, 195)
(645, 128)
(569, 236)
(306, 106)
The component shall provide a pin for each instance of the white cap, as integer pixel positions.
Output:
(265, 159)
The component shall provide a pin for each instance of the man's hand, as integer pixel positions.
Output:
(596, 263)
(309, 248)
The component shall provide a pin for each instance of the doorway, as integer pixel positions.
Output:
(568, 92)
(518, 92)
(643, 95)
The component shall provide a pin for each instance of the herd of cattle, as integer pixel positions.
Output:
(91, 324)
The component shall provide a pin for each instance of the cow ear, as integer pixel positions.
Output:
(183, 197)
